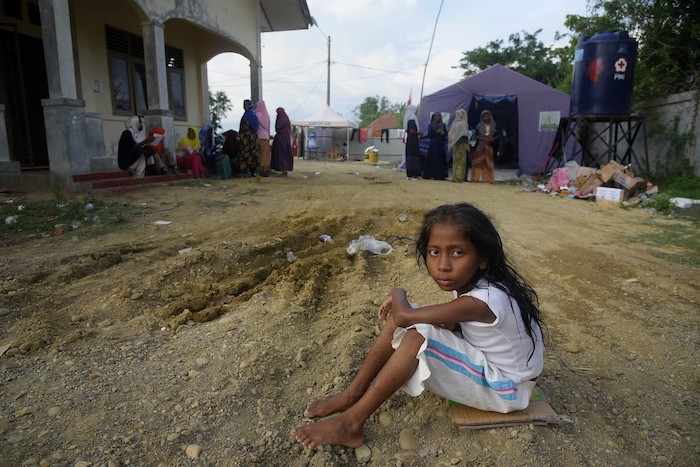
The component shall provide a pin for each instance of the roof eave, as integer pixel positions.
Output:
(284, 15)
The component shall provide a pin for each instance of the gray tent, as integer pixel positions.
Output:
(526, 112)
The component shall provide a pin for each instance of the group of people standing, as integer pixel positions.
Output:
(255, 155)
(456, 141)
(249, 148)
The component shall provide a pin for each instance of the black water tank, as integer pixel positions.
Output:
(604, 74)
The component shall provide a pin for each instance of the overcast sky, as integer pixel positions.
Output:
(378, 48)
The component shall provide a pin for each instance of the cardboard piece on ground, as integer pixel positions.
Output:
(608, 194)
(632, 184)
(608, 171)
(590, 184)
(539, 412)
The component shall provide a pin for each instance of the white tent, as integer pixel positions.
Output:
(325, 118)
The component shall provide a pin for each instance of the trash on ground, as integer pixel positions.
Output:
(370, 244)
(613, 182)
(684, 203)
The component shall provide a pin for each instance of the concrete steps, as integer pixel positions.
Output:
(122, 180)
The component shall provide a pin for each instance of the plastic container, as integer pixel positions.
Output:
(603, 79)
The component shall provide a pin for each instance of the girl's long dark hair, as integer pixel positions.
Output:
(478, 228)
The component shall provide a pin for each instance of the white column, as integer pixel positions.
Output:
(256, 91)
(58, 48)
(156, 75)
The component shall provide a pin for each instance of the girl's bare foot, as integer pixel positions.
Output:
(324, 406)
(336, 431)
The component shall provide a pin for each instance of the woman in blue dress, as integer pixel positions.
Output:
(436, 161)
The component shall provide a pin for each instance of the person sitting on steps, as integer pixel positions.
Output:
(135, 153)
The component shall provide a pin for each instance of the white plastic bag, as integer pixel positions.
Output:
(371, 244)
(572, 169)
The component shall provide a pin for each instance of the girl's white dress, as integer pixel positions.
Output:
(487, 366)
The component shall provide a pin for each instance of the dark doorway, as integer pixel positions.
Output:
(504, 110)
(23, 84)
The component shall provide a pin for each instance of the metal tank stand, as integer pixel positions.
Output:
(598, 140)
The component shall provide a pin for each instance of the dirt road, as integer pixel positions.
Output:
(199, 343)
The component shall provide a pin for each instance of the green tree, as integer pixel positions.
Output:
(524, 54)
(374, 107)
(219, 103)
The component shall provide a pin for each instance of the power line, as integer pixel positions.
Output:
(375, 69)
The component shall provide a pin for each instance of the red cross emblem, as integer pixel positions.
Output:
(621, 65)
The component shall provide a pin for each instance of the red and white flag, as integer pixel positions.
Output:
(410, 96)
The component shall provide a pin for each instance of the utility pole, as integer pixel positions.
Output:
(328, 83)
(429, 50)
(328, 80)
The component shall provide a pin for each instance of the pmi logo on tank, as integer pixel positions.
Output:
(620, 69)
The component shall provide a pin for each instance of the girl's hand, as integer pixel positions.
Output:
(401, 308)
(384, 310)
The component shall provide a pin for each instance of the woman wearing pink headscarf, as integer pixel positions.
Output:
(263, 137)
(282, 159)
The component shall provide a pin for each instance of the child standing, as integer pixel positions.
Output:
(483, 349)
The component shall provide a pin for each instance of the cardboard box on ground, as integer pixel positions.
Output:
(611, 175)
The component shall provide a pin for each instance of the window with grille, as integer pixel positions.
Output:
(127, 74)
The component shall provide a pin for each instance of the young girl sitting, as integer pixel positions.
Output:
(483, 349)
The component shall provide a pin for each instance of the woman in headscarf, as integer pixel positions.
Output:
(231, 149)
(249, 150)
(482, 163)
(436, 161)
(413, 158)
(282, 158)
(458, 144)
(188, 155)
(263, 137)
(135, 152)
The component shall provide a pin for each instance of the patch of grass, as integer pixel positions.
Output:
(43, 218)
(222, 205)
(677, 187)
(681, 237)
(661, 203)
(680, 187)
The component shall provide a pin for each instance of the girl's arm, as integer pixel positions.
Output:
(444, 315)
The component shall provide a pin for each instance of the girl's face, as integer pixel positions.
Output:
(452, 260)
(486, 118)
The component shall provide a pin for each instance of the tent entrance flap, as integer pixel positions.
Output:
(504, 110)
